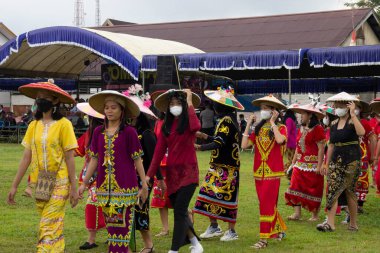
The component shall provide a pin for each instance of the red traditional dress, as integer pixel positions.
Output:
(93, 214)
(160, 200)
(363, 182)
(306, 186)
(268, 168)
(376, 168)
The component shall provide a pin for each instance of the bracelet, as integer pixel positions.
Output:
(273, 127)
(245, 135)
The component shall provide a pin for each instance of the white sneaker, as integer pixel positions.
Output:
(196, 249)
(229, 236)
(211, 232)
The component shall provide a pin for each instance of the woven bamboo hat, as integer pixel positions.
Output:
(162, 101)
(270, 100)
(225, 97)
(98, 101)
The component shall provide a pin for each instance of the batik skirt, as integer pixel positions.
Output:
(341, 178)
(218, 194)
(50, 235)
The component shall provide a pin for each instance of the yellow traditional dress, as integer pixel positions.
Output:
(48, 143)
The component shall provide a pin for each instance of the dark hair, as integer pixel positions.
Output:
(56, 113)
(313, 121)
(289, 114)
(223, 110)
(161, 115)
(262, 122)
(123, 119)
(183, 121)
(93, 123)
(241, 115)
(143, 123)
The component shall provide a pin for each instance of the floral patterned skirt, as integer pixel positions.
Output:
(341, 178)
(218, 194)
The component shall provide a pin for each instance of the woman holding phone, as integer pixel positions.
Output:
(268, 139)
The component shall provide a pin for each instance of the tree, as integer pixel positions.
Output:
(374, 4)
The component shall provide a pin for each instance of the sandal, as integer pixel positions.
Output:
(261, 244)
(87, 246)
(162, 233)
(325, 227)
(353, 229)
(281, 236)
(294, 217)
(149, 250)
(313, 219)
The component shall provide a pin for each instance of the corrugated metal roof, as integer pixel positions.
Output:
(293, 31)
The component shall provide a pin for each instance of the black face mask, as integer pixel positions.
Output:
(44, 105)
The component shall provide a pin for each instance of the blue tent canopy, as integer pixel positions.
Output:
(12, 84)
(344, 56)
(289, 59)
(65, 47)
(334, 85)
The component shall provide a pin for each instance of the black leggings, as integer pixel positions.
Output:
(180, 201)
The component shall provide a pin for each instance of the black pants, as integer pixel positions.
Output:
(180, 201)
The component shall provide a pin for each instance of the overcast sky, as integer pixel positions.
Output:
(25, 15)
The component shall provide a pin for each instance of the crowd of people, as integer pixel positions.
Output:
(130, 153)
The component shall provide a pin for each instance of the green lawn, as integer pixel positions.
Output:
(18, 224)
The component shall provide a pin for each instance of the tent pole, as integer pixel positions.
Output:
(290, 85)
(78, 87)
(143, 80)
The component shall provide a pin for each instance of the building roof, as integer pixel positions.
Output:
(291, 31)
(4, 30)
(112, 22)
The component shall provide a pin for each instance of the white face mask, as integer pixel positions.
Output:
(176, 110)
(265, 114)
(357, 112)
(326, 121)
(341, 112)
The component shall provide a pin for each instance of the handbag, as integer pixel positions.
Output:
(45, 184)
(46, 179)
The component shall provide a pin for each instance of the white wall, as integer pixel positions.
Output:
(369, 35)
(21, 100)
(5, 98)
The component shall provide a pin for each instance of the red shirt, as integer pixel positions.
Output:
(268, 161)
(307, 148)
(182, 165)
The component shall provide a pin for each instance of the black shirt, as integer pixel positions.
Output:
(346, 142)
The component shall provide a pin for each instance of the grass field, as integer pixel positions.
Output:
(18, 224)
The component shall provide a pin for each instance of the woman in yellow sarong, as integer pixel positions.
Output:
(49, 147)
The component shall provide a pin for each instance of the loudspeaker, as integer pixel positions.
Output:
(166, 70)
